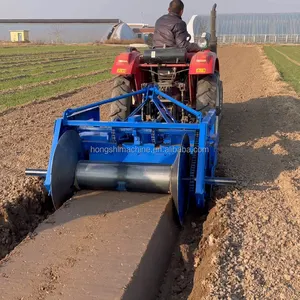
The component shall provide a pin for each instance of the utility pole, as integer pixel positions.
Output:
(142, 16)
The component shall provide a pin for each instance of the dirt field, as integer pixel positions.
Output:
(248, 245)
(25, 139)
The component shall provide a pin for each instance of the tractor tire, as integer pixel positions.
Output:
(210, 96)
(206, 97)
(120, 110)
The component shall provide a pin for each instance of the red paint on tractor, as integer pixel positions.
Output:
(203, 63)
(126, 63)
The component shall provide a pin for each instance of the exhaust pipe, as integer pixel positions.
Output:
(213, 25)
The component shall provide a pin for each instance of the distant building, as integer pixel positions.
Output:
(19, 35)
(137, 25)
(59, 30)
(121, 32)
(248, 24)
(145, 33)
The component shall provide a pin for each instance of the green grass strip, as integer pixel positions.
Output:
(14, 83)
(39, 56)
(49, 59)
(292, 52)
(289, 71)
(19, 70)
(48, 91)
(31, 50)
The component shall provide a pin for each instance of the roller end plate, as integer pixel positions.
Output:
(66, 156)
(179, 175)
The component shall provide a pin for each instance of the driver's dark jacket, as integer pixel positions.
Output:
(171, 31)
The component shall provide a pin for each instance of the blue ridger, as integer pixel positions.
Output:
(157, 156)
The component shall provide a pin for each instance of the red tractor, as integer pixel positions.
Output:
(192, 78)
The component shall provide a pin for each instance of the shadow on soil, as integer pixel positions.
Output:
(255, 133)
(258, 139)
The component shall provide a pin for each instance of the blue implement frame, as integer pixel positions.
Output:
(155, 139)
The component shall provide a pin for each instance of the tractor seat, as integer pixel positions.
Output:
(165, 56)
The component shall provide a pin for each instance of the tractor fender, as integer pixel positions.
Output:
(204, 63)
(126, 63)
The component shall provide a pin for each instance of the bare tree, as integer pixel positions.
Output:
(150, 40)
(56, 33)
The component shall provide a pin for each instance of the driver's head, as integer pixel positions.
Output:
(176, 7)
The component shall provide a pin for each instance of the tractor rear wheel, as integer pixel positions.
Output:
(210, 95)
(120, 109)
(207, 89)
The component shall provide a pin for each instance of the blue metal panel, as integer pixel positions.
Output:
(92, 114)
(56, 135)
(201, 167)
(148, 125)
(135, 118)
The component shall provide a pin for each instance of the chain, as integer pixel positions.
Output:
(194, 164)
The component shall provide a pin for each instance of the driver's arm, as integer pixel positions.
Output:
(181, 35)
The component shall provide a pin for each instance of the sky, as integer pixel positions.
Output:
(132, 11)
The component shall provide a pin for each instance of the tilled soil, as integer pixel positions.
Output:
(25, 139)
(248, 245)
(259, 255)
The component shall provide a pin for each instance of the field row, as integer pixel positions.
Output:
(47, 74)
(51, 66)
(13, 51)
(51, 90)
(49, 61)
(52, 57)
(29, 74)
(14, 57)
(6, 86)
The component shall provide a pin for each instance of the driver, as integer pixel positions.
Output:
(171, 30)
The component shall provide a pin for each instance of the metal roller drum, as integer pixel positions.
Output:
(147, 178)
(69, 170)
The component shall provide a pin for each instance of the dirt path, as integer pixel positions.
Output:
(250, 240)
(107, 236)
(249, 247)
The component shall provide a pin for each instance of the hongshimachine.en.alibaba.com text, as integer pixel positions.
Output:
(136, 149)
